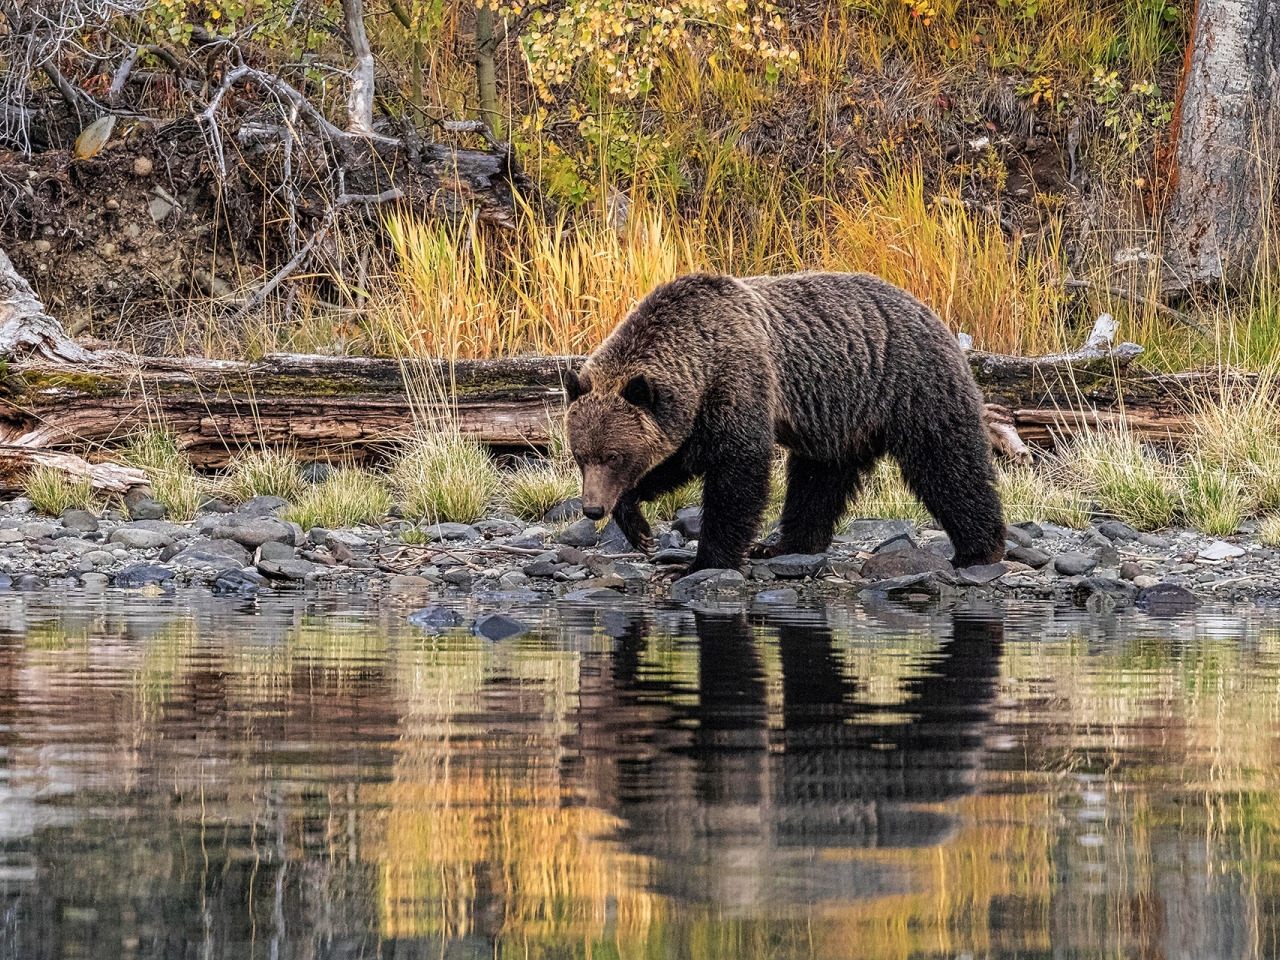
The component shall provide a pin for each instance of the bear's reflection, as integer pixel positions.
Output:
(729, 806)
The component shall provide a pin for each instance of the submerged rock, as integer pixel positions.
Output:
(238, 582)
(1103, 594)
(980, 574)
(782, 597)
(290, 570)
(436, 618)
(706, 582)
(141, 574)
(1166, 600)
(495, 627)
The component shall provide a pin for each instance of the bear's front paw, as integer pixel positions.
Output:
(763, 551)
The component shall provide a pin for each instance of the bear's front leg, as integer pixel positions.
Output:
(630, 519)
(733, 499)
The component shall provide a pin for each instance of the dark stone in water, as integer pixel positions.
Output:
(699, 584)
(508, 596)
(241, 583)
(777, 597)
(141, 574)
(6, 581)
(564, 511)
(495, 627)
(923, 583)
(688, 522)
(1167, 600)
(903, 563)
(797, 565)
(593, 595)
(1103, 594)
(436, 618)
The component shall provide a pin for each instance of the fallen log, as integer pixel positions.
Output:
(349, 407)
(17, 463)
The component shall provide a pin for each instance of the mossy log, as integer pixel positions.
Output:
(350, 407)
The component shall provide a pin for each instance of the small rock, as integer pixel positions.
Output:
(1017, 536)
(274, 550)
(593, 594)
(513, 580)
(495, 627)
(1130, 570)
(141, 574)
(633, 572)
(252, 532)
(613, 540)
(1031, 529)
(499, 528)
(688, 522)
(903, 563)
(1221, 550)
(541, 568)
(980, 574)
(697, 585)
(408, 583)
(81, 521)
(901, 541)
(147, 509)
(94, 581)
(216, 554)
(1103, 594)
(879, 529)
(1072, 564)
(28, 581)
(1166, 600)
(132, 538)
(315, 472)
(435, 618)
(782, 597)
(451, 531)
(290, 570)
(1030, 556)
(238, 582)
(921, 583)
(797, 565)
(1145, 581)
(458, 577)
(264, 506)
(11, 536)
(1153, 540)
(673, 539)
(142, 166)
(1117, 530)
(564, 511)
(580, 533)
(214, 505)
(674, 555)
(352, 543)
(38, 530)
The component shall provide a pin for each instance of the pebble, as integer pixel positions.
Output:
(495, 627)
(80, 521)
(564, 511)
(580, 533)
(1072, 564)
(147, 509)
(1031, 556)
(1221, 550)
(450, 531)
(698, 585)
(981, 574)
(132, 538)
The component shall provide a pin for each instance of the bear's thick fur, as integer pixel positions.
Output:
(709, 372)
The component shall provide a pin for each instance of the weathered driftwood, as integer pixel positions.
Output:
(17, 463)
(345, 406)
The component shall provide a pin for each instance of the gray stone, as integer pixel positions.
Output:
(879, 529)
(1221, 550)
(782, 597)
(633, 572)
(1117, 530)
(674, 555)
(21, 505)
(147, 509)
(75, 546)
(580, 533)
(252, 532)
(1153, 540)
(408, 583)
(274, 550)
(513, 579)
(1166, 600)
(141, 574)
(671, 539)
(6, 582)
(436, 618)
(901, 541)
(214, 554)
(238, 582)
(980, 574)
(495, 627)
(902, 563)
(922, 583)
(457, 577)
(499, 528)
(94, 581)
(317, 535)
(1072, 564)
(38, 530)
(289, 570)
(214, 505)
(264, 506)
(1017, 536)
(28, 581)
(541, 568)
(351, 542)
(1102, 594)
(564, 511)
(1030, 528)
(704, 582)
(81, 521)
(794, 566)
(613, 540)
(1030, 556)
(507, 596)
(1130, 570)
(593, 595)
(688, 522)
(11, 536)
(131, 538)
(451, 531)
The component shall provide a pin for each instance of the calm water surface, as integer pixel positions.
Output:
(308, 776)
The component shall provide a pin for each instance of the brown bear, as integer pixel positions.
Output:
(708, 373)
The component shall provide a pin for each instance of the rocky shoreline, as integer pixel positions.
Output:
(249, 550)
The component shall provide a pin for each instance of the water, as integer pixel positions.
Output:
(191, 777)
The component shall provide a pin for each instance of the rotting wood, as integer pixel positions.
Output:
(340, 407)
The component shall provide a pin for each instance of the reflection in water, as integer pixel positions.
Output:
(309, 777)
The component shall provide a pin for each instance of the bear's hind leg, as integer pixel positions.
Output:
(818, 494)
(950, 471)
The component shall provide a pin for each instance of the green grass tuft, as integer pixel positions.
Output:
(263, 473)
(445, 478)
(349, 496)
(52, 491)
(1269, 531)
(173, 481)
(534, 488)
(1126, 479)
(665, 507)
(887, 497)
(1213, 498)
(1027, 494)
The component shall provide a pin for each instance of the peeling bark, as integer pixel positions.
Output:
(25, 329)
(1226, 128)
(360, 103)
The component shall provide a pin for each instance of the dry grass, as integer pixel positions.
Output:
(1028, 494)
(1269, 531)
(444, 477)
(173, 481)
(887, 496)
(51, 491)
(1124, 477)
(1213, 498)
(534, 488)
(263, 473)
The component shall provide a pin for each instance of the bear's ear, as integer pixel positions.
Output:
(639, 392)
(575, 386)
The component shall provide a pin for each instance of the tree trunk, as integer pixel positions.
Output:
(486, 77)
(1226, 147)
(25, 329)
(360, 103)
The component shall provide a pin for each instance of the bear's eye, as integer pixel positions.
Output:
(612, 458)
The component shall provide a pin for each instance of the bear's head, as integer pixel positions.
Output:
(616, 436)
